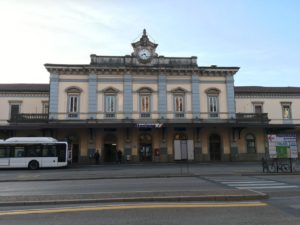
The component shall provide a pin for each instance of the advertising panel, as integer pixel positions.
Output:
(283, 146)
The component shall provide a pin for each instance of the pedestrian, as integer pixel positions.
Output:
(119, 156)
(97, 157)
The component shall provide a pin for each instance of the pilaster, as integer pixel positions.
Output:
(53, 98)
(230, 96)
(92, 96)
(128, 96)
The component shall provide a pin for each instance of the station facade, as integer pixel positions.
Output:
(151, 107)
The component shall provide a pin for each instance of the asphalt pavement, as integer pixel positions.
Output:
(133, 171)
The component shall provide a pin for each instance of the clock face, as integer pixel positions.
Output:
(144, 54)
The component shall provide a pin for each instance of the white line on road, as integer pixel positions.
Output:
(248, 182)
(269, 187)
(256, 184)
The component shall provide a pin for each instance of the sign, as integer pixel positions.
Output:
(283, 146)
(149, 125)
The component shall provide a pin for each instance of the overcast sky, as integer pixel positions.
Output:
(260, 36)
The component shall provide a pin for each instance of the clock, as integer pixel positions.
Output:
(144, 54)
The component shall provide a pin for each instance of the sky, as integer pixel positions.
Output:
(262, 37)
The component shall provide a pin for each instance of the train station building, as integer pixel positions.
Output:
(152, 107)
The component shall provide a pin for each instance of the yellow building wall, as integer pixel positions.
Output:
(272, 106)
(30, 104)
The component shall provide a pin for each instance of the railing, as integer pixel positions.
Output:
(240, 117)
(252, 117)
(29, 118)
(278, 165)
(145, 115)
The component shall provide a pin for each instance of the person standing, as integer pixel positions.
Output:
(97, 157)
(119, 156)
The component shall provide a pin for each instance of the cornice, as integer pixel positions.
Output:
(23, 94)
(267, 95)
(142, 70)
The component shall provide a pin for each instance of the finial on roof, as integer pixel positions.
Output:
(144, 32)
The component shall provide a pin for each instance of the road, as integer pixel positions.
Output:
(104, 186)
(283, 207)
(254, 213)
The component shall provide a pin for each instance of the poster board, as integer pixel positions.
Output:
(283, 146)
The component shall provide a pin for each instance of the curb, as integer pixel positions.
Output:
(257, 196)
(96, 178)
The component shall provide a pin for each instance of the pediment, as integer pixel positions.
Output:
(111, 90)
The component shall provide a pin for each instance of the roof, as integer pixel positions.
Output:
(260, 89)
(30, 140)
(25, 87)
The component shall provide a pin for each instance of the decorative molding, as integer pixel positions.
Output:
(266, 95)
(73, 89)
(212, 91)
(25, 95)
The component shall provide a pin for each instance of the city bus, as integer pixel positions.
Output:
(33, 153)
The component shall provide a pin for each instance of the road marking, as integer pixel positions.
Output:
(269, 187)
(255, 184)
(248, 182)
(124, 207)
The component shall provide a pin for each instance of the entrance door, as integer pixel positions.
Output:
(145, 152)
(215, 147)
(109, 153)
(75, 153)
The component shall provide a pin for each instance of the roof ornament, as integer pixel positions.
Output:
(144, 39)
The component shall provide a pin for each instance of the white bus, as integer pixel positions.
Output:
(33, 152)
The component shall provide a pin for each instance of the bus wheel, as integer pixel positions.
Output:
(33, 165)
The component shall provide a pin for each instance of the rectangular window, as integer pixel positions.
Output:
(73, 104)
(19, 151)
(14, 110)
(73, 107)
(286, 111)
(213, 106)
(45, 107)
(4, 152)
(179, 106)
(110, 106)
(145, 103)
(145, 106)
(258, 109)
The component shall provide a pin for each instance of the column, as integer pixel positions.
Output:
(128, 96)
(230, 96)
(92, 96)
(53, 99)
(162, 96)
(195, 96)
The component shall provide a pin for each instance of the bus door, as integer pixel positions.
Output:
(4, 156)
(49, 158)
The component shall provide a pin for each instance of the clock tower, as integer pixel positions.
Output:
(144, 49)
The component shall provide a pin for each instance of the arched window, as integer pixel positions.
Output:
(213, 102)
(110, 101)
(73, 94)
(250, 143)
(179, 102)
(145, 102)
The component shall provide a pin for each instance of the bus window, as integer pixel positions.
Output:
(49, 151)
(19, 151)
(3, 152)
(33, 151)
